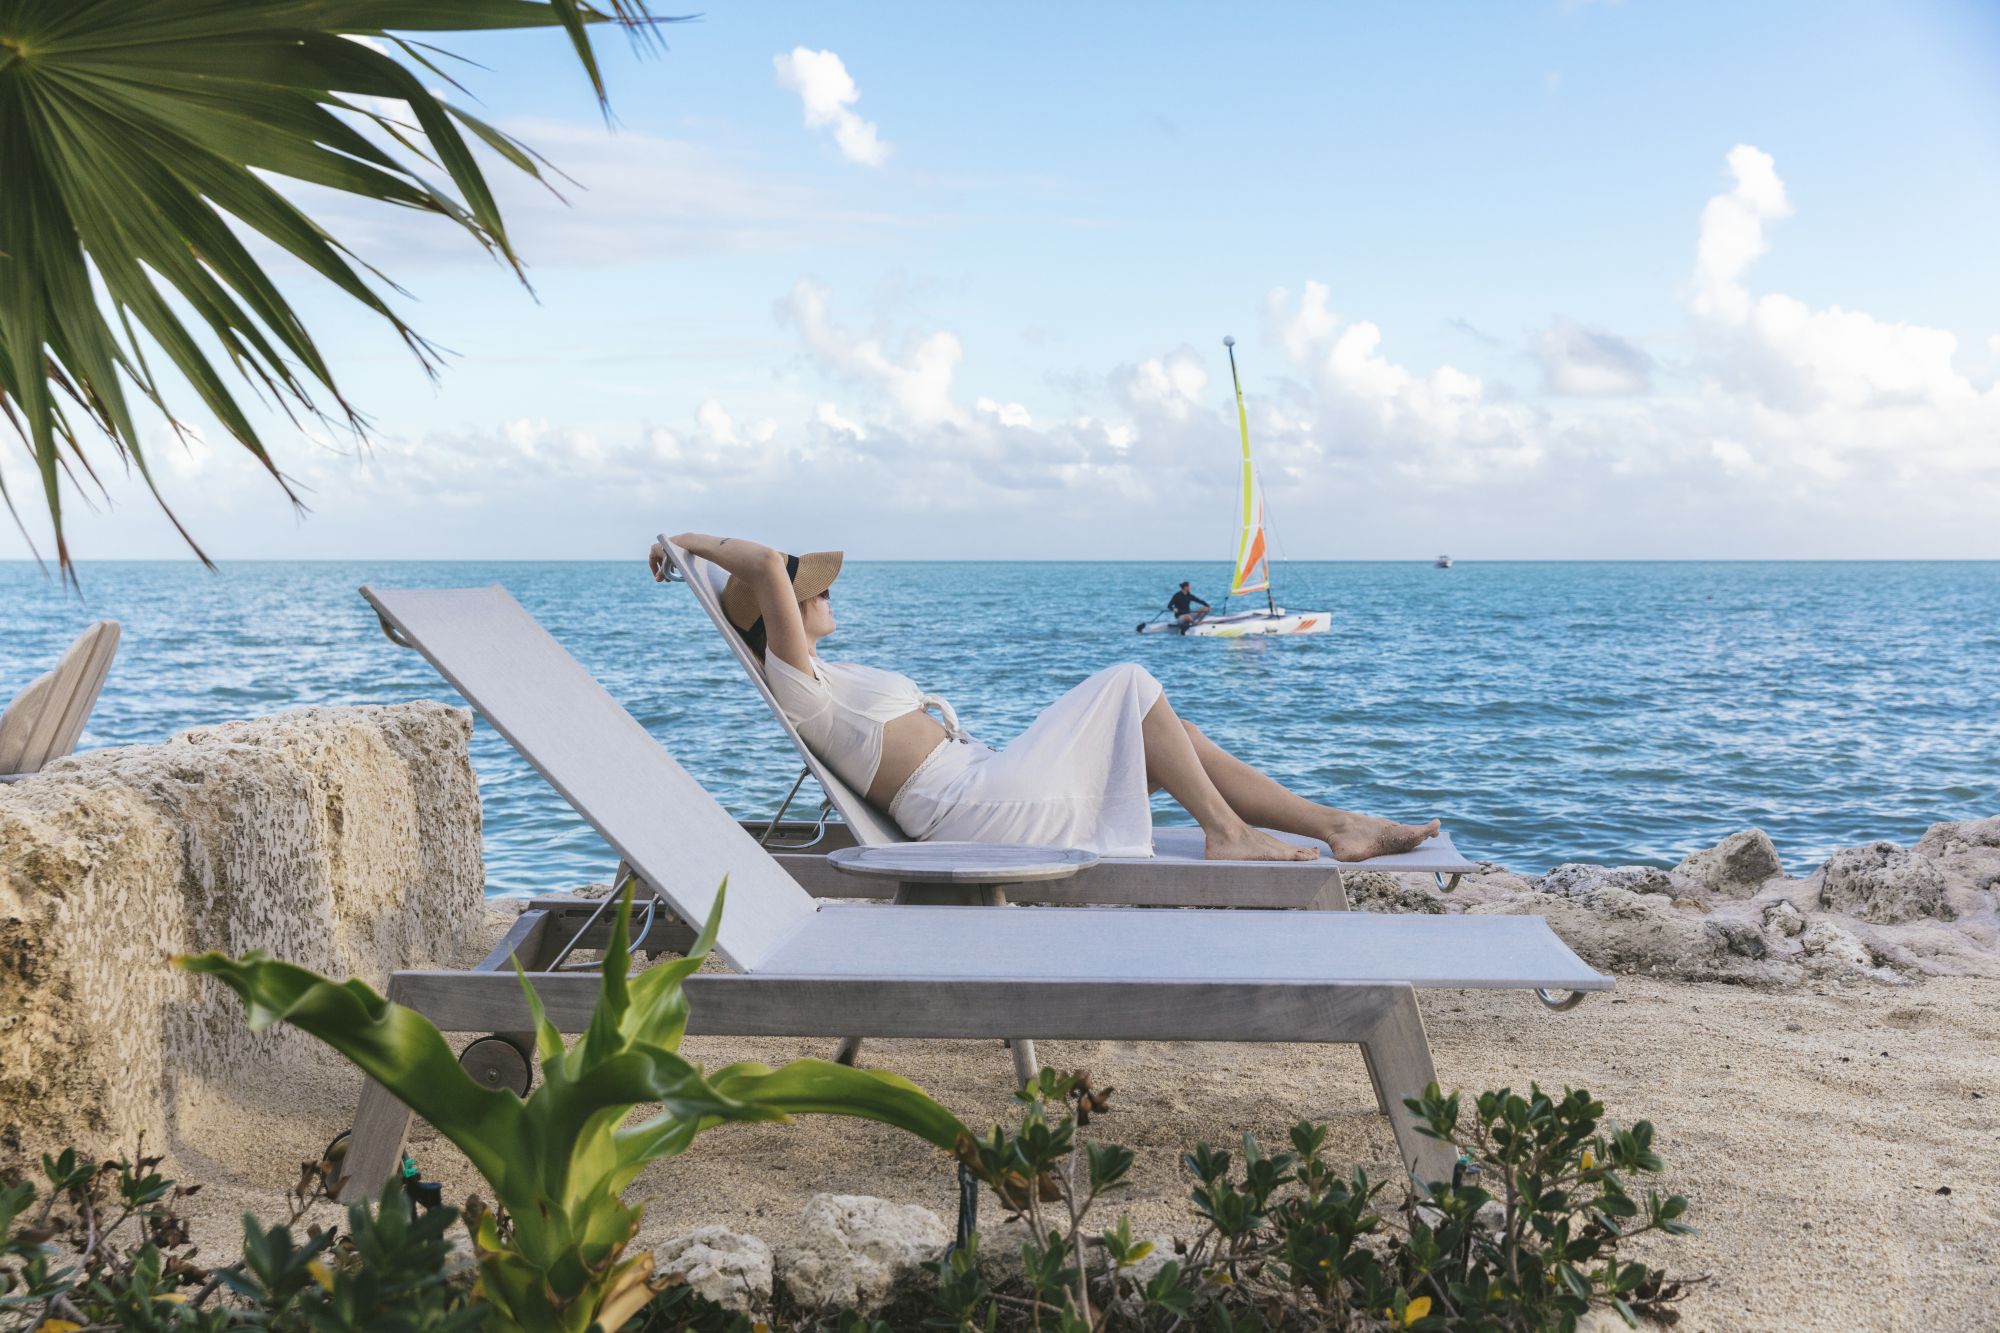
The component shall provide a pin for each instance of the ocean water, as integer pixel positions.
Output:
(1623, 713)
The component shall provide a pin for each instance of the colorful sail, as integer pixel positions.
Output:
(1253, 567)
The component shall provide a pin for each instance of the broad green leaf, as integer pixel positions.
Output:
(560, 1161)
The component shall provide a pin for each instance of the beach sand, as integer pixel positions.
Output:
(1814, 1131)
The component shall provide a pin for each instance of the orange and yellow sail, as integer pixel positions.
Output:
(1253, 566)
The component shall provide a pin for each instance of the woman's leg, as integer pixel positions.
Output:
(1262, 800)
(1172, 763)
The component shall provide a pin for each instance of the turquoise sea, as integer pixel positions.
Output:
(1548, 712)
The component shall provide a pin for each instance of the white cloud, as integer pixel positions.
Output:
(1861, 433)
(919, 381)
(823, 84)
(1825, 391)
(1173, 385)
(624, 197)
(1590, 363)
(1441, 427)
(1732, 233)
(1735, 459)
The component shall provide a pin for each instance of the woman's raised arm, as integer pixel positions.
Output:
(764, 569)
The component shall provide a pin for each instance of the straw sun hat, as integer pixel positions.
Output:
(811, 575)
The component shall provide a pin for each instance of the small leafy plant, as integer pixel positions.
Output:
(1285, 1241)
(103, 1245)
(552, 1251)
(1563, 1210)
(1036, 1174)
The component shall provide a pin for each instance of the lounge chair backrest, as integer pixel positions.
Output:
(46, 718)
(598, 757)
(871, 827)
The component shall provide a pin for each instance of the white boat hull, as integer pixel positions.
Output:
(1248, 624)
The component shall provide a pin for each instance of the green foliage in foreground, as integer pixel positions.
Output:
(1280, 1241)
(103, 1245)
(553, 1252)
(1526, 1238)
(136, 138)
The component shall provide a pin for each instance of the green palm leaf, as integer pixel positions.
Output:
(134, 133)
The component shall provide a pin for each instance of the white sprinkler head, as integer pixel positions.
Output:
(1228, 341)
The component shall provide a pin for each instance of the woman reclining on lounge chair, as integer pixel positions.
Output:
(1079, 776)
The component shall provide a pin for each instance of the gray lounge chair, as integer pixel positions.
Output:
(1128, 881)
(45, 720)
(807, 968)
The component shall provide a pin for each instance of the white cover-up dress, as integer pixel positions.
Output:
(1075, 778)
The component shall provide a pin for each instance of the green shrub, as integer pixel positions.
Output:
(552, 1252)
(1526, 1236)
(103, 1245)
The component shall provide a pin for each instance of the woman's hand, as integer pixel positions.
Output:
(764, 569)
(656, 560)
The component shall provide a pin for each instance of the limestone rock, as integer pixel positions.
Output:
(342, 839)
(1375, 891)
(724, 1266)
(1618, 931)
(1575, 880)
(852, 1250)
(1939, 839)
(1784, 918)
(1736, 867)
(1835, 945)
(1883, 883)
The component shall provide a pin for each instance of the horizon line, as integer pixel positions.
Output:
(1048, 560)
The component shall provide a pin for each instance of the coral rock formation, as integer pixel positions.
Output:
(852, 1250)
(343, 839)
(1736, 867)
(1878, 913)
(727, 1267)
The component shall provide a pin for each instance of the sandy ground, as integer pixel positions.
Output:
(1814, 1132)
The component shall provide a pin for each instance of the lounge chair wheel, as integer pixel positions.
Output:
(495, 1062)
(1561, 1001)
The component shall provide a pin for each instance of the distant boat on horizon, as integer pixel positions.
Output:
(1442, 562)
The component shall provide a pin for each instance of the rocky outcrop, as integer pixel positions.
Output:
(1645, 934)
(854, 1251)
(724, 1266)
(1972, 835)
(1576, 880)
(343, 839)
(1736, 867)
(1883, 883)
(1373, 891)
(1879, 913)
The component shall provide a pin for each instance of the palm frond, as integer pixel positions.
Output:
(133, 133)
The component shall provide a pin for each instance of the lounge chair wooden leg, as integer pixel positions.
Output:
(1332, 896)
(1375, 1082)
(1025, 1068)
(373, 1148)
(1398, 1053)
(848, 1051)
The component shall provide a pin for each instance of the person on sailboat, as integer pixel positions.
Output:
(1182, 605)
(1081, 775)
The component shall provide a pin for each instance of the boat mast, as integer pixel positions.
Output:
(1249, 477)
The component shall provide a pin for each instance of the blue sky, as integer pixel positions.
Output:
(1537, 280)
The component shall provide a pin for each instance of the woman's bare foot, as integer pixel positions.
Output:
(1360, 837)
(1253, 844)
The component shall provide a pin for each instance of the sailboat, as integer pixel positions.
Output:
(1252, 568)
